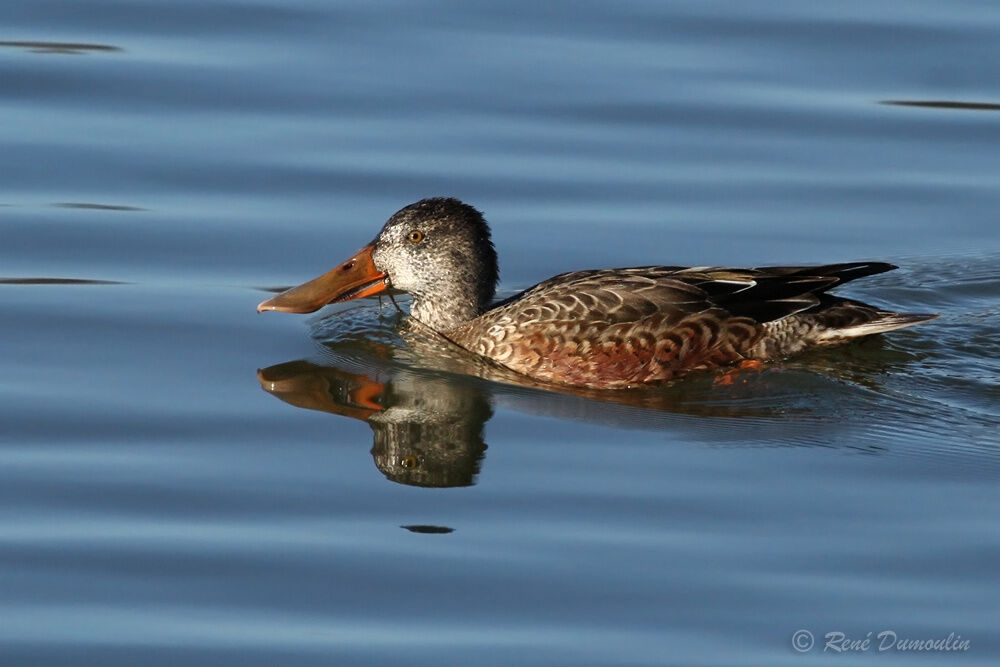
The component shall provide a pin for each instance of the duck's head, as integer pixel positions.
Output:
(439, 250)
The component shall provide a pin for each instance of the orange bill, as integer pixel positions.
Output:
(355, 278)
(313, 387)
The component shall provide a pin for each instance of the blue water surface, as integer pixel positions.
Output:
(184, 481)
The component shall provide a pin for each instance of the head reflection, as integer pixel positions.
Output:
(427, 431)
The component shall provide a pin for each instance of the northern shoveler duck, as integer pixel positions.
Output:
(606, 328)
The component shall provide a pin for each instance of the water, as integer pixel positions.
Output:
(185, 481)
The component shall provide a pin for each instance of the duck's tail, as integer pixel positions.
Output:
(832, 322)
(880, 321)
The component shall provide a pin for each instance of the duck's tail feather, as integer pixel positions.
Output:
(836, 322)
(881, 322)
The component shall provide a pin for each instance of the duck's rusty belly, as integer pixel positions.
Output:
(599, 355)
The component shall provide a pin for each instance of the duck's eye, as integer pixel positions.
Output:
(416, 236)
(409, 461)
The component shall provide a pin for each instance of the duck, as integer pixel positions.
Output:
(599, 328)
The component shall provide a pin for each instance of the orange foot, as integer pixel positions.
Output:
(729, 377)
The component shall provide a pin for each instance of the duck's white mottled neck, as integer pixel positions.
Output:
(446, 311)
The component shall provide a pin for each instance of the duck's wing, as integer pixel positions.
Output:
(615, 296)
(775, 292)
